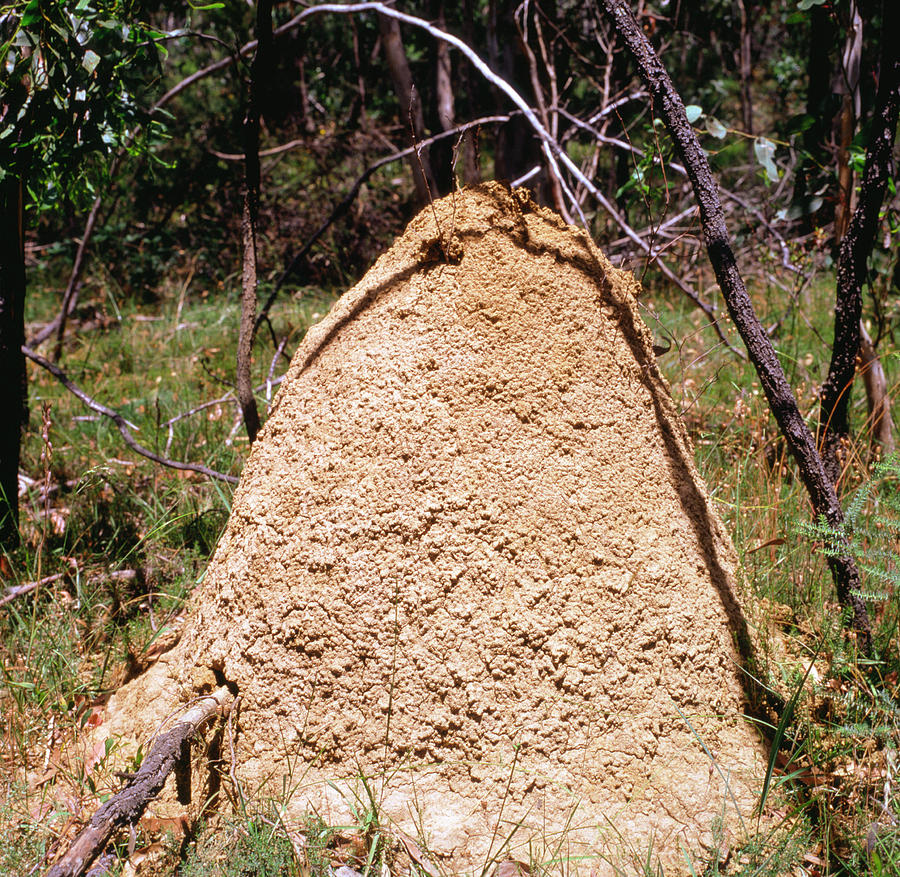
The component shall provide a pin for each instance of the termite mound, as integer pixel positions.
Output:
(471, 560)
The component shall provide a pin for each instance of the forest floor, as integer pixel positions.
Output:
(116, 543)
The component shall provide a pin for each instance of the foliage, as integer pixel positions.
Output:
(73, 76)
(870, 534)
(255, 847)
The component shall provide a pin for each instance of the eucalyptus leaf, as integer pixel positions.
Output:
(765, 152)
(693, 112)
(90, 61)
(804, 5)
(715, 127)
(31, 15)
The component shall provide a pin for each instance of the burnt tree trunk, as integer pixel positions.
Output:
(259, 78)
(856, 248)
(668, 105)
(13, 397)
(847, 85)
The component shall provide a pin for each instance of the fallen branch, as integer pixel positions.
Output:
(120, 422)
(28, 587)
(667, 104)
(125, 808)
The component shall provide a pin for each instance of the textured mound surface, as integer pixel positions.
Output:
(470, 557)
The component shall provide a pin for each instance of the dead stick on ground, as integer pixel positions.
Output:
(28, 587)
(120, 421)
(126, 807)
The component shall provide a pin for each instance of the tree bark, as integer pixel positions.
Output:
(13, 395)
(856, 248)
(259, 78)
(848, 86)
(669, 106)
(410, 106)
(877, 396)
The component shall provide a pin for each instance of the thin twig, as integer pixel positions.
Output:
(120, 422)
(263, 153)
(554, 153)
(272, 365)
(28, 587)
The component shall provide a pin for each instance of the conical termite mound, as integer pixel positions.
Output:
(471, 575)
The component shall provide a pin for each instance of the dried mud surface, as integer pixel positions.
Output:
(470, 558)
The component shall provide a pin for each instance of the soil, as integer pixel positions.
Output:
(471, 561)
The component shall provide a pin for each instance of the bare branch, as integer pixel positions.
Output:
(28, 587)
(552, 149)
(120, 422)
(170, 751)
(263, 153)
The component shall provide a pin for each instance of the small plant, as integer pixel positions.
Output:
(256, 847)
(870, 534)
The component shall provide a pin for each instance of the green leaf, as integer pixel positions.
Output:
(693, 112)
(90, 61)
(808, 4)
(765, 151)
(800, 123)
(715, 127)
(31, 15)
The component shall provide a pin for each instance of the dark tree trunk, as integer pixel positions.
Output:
(260, 76)
(443, 153)
(819, 109)
(847, 85)
(669, 106)
(745, 65)
(516, 149)
(856, 248)
(411, 114)
(471, 102)
(13, 397)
